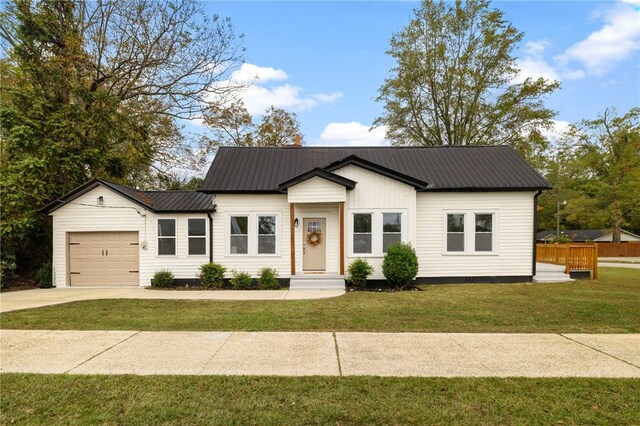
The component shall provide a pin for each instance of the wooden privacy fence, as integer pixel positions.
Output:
(630, 249)
(574, 257)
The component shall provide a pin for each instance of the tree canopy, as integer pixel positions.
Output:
(453, 82)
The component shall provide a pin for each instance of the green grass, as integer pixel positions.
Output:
(609, 305)
(191, 400)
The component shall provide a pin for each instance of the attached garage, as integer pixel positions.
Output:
(103, 259)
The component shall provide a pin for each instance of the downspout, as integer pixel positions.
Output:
(210, 237)
(535, 229)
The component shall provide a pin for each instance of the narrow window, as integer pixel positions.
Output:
(239, 241)
(197, 233)
(266, 234)
(166, 237)
(484, 232)
(391, 229)
(362, 233)
(455, 232)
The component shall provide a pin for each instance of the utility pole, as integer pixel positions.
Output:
(564, 203)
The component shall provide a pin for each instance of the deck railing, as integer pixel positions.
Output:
(574, 257)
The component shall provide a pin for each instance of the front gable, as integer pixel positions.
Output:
(316, 190)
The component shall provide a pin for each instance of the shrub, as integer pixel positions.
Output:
(241, 280)
(358, 272)
(44, 276)
(212, 275)
(268, 279)
(162, 279)
(400, 265)
(7, 269)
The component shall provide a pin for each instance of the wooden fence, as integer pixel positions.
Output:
(630, 249)
(574, 257)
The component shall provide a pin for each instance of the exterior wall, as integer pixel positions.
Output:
(513, 227)
(120, 214)
(376, 194)
(252, 205)
(316, 190)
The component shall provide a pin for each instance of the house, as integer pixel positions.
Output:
(588, 235)
(469, 212)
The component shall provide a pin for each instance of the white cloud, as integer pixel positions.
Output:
(250, 73)
(556, 131)
(352, 134)
(533, 65)
(606, 47)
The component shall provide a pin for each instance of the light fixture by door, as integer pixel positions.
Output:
(295, 222)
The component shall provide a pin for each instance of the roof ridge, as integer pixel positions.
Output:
(362, 147)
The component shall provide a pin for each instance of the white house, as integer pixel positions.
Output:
(308, 212)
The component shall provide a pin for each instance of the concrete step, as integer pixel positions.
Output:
(552, 278)
(317, 282)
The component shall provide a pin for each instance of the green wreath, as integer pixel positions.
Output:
(314, 238)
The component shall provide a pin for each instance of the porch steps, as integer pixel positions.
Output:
(549, 273)
(317, 282)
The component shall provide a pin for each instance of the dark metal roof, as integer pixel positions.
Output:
(317, 172)
(156, 201)
(447, 168)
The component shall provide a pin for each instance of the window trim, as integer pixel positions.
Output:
(174, 237)
(377, 224)
(228, 224)
(252, 232)
(205, 236)
(475, 232)
(371, 233)
(469, 234)
(275, 233)
(464, 233)
(382, 231)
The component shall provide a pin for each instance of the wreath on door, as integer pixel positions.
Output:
(314, 238)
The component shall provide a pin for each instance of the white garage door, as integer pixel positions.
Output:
(103, 258)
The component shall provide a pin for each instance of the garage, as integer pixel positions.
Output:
(103, 259)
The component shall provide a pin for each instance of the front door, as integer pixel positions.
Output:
(314, 245)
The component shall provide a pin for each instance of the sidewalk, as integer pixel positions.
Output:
(322, 353)
(27, 299)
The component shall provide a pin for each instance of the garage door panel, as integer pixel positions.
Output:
(103, 258)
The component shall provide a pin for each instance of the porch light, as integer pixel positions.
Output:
(295, 222)
(100, 200)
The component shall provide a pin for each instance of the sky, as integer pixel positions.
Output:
(325, 61)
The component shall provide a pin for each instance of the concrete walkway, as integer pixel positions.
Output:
(322, 353)
(15, 300)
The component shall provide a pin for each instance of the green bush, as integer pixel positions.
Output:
(358, 272)
(400, 265)
(162, 279)
(241, 280)
(7, 269)
(212, 275)
(268, 279)
(44, 276)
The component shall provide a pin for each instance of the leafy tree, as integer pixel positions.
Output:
(232, 125)
(94, 89)
(453, 82)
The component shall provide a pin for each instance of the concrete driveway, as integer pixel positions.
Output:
(16, 300)
(320, 353)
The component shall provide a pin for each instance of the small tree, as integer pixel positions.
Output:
(400, 265)
(358, 271)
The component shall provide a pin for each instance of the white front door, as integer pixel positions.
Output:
(314, 248)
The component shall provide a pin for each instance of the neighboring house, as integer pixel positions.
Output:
(588, 235)
(469, 212)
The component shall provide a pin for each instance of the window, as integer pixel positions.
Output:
(455, 232)
(362, 233)
(391, 229)
(484, 232)
(239, 240)
(266, 234)
(166, 237)
(197, 233)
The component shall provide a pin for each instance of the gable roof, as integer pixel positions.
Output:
(321, 173)
(444, 168)
(156, 201)
(368, 165)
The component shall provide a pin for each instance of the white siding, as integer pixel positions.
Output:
(120, 214)
(316, 190)
(377, 194)
(513, 239)
(251, 205)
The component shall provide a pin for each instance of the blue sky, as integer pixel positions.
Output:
(326, 60)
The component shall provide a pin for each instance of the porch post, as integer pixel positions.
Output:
(341, 237)
(292, 236)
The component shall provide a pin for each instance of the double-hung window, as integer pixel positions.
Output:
(455, 232)
(362, 241)
(166, 237)
(239, 237)
(391, 229)
(197, 234)
(266, 234)
(484, 232)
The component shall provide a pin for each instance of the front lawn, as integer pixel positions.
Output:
(609, 305)
(191, 400)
